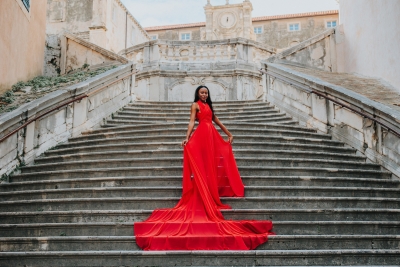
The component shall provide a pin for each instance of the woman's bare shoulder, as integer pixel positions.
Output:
(195, 105)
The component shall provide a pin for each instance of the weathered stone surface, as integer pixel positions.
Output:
(345, 125)
(79, 200)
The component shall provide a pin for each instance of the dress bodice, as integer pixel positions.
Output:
(205, 113)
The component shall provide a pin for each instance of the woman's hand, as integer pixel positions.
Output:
(230, 139)
(184, 142)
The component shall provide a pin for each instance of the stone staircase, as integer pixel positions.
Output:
(77, 204)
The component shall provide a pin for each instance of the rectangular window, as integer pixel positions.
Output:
(153, 37)
(257, 30)
(294, 27)
(331, 24)
(26, 4)
(185, 36)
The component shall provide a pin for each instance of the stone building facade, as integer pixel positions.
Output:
(234, 20)
(106, 23)
(22, 40)
(285, 31)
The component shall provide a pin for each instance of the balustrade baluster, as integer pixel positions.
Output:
(204, 52)
(218, 52)
(163, 51)
(191, 53)
(212, 52)
(198, 53)
(170, 52)
(233, 52)
(177, 55)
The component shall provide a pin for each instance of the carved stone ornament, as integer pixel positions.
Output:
(197, 81)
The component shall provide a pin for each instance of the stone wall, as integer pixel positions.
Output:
(69, 52)
(275, 29)
(106, 23)
(106, 94)
(171, 70)
(170, 83)
(286, 89)
(52, 56)
(276, 33)
(317, 52)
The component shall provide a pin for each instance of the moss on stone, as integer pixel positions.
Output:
(24, 92)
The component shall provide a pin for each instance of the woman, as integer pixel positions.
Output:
(209, 171)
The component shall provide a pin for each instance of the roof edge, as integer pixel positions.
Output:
(200, 24)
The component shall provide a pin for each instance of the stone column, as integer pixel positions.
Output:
(209, 21)
(247, 20)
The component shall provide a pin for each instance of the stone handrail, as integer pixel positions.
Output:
(106, 93)
(229, 49)
(286, 89)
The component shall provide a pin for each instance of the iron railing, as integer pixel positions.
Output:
(60, 106)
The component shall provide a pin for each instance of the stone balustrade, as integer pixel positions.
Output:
(285, 89)
(238, 49)
(107, 93)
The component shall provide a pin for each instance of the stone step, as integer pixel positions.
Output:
(237, 145)
(181, 132)
(307, 139)
(177, 170)
(276, 119)
(235, 103)
(177, 139)
(127, 243)
(174, 191)
(151, 102)
(168, 202)
(129, 215)
(290, 122)
(186, 117)
(186, 108)
(170, 161)
(203, 258)
(183, 125)
(164, 181)
(186, 112)
(126, 229)
(178, 153)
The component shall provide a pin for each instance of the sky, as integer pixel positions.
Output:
(167, 12)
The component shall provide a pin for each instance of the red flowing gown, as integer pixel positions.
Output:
(196, 222)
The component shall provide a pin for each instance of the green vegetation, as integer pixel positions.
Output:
(24, 92)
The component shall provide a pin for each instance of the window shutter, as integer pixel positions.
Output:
(26, 4)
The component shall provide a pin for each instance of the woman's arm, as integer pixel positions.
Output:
(223, 128)
(193, 112)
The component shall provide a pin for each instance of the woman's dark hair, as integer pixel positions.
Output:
(209, 101)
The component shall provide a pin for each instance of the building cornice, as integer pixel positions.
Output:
(255, 19)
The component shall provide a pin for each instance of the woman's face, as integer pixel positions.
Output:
(203, 94)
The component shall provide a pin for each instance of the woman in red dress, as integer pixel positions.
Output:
(209, 172)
